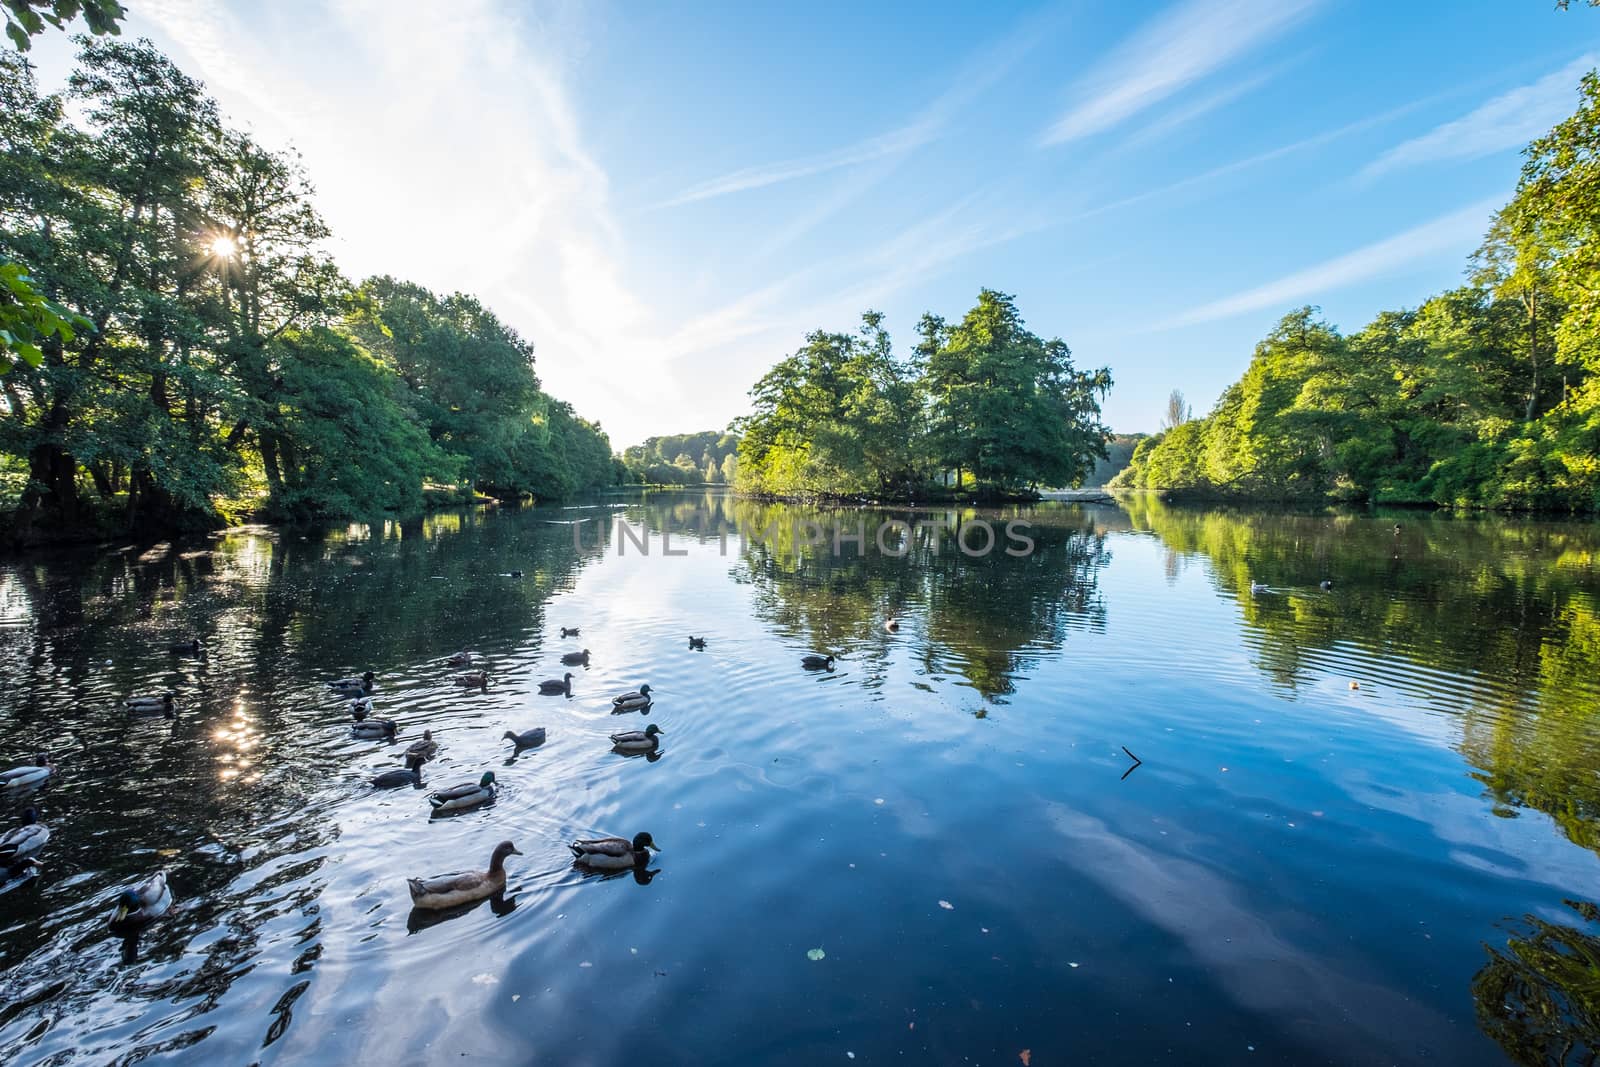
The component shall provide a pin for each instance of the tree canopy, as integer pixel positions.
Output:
(190, 351)
(1485, 396)
(984, 405)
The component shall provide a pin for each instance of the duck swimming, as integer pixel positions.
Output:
(697, 643)
(30, 775)
(1326, 585)
(557, 685)
(614, 853)
(891, 626)
(526, 739)
(19, 847)
(638, 700)
(425, 749)
(1257, 588)
(473, 679)
(375, 728)
(814, 662)
(569, 631)
(646, 740)
(410, 774)
(460, 659)
(451, 890)
(353, 686)
(576, 659)
(465, 796)
(360, 708)
(144, 902)
(185, 648)
(161, 705)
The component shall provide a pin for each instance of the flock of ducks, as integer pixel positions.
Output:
(150, 898)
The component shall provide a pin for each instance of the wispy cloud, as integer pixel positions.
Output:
(1445, 234)
(1182, 46)
(1510, 120)
(977, 74)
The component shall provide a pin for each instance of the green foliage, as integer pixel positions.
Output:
(985, 404)
(187, 350)
(683, 459)
(25, 19)
(1485, 396)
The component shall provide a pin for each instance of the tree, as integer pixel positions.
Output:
(1177, 412)
(25, 19)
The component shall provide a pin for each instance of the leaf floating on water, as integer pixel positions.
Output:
(1026, 1056)
(815, 954)
(585, 963)
(1073, 965)
(946, 905)
(852, 1055)
(485, 979)
(515, 997)
(877, 800)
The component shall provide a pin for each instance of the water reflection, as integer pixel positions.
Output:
(1315, 866)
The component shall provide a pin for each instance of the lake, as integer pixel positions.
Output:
(1363, 828)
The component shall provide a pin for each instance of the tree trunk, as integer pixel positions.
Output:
(1532, 302)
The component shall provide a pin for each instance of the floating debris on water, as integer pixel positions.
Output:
(815, 954)
(946, 905)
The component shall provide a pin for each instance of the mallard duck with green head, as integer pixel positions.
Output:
(638, 700)
(143, 902)
(614, 853)
(634, 741)
(464, 887)
(464, 797)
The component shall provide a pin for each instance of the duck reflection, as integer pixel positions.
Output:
(422, 918)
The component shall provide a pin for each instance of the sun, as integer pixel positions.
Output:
(223, 247)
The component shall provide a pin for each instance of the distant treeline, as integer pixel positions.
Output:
(212, 360)
(1485, 396)
(983, 406)
(710, 457)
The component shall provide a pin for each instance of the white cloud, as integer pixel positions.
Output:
(1510, 120)
(1185, 44)
(1447, 234)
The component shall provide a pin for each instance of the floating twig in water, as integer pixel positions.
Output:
(1137, 763)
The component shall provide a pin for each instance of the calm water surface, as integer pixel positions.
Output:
(1300, 871)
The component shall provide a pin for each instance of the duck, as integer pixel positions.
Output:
(29, 775)
(891, 625)
(1257, 588)
(1326, 585)
(185, 648)
(464, 887)
(353, 686)
(1397, 529)
(19, 847)
(161, 705)
(360, 708)
(144, 902)
(425, 749)
(576, 659)
(697, 643)
(465, 796)
(569, 631)
(813, 661)
(557, 685)
(637, 700)
(614, 853)
(460, 659)
(375, 728)
(473, 679)
(646, 740)
(526, 739)
(410, 774)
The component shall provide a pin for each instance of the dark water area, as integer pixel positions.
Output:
(933, 853)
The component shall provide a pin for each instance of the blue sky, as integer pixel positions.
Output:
(665, 199)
